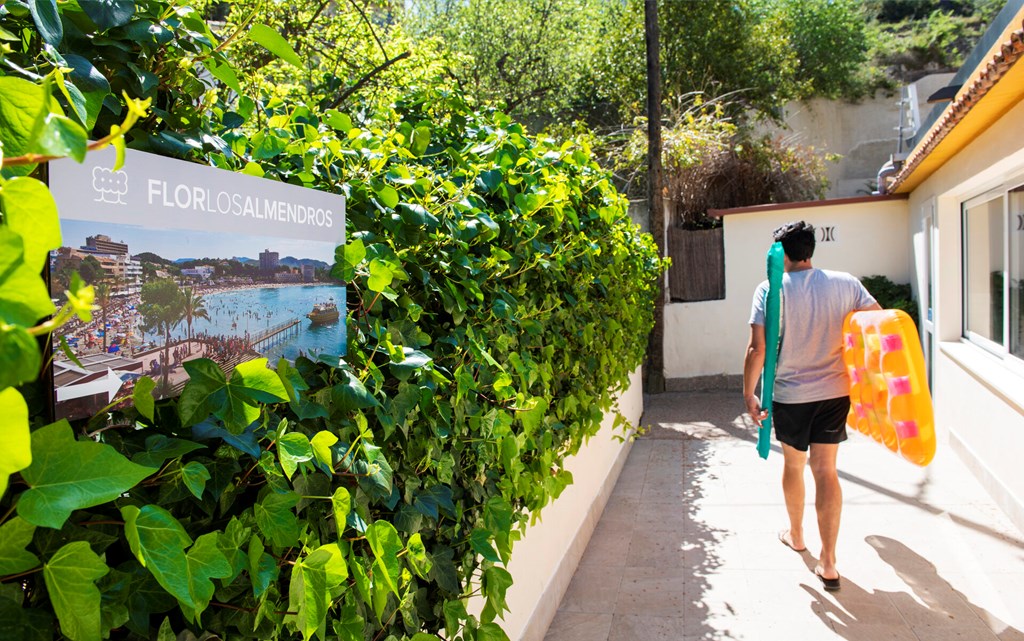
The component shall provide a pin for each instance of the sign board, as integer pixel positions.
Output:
(189, 262)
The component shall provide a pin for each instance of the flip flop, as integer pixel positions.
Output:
(782, 539)
(830, 585)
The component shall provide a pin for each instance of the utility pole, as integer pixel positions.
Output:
(655, 374)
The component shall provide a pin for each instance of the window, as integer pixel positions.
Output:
(983, 267)
(993, 278)
(1016, 230)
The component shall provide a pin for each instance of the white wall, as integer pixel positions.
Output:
(544, 561)
(978, 396)
(708, 338)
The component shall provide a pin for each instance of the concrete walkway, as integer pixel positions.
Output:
(687, 546)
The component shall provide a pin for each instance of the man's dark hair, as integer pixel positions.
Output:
(797, 240)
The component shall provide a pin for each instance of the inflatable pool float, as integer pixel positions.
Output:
(889, 398)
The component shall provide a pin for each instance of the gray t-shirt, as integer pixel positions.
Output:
(814, 304)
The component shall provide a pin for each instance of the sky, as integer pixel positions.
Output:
(173, 244)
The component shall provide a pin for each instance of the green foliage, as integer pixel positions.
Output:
(501, 299)
(911, 38)
(762, 53)
(710, 163)
(536, 57)
(892, 295)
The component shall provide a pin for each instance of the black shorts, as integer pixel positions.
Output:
(799, 424)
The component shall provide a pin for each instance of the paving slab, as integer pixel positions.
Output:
(687, 547)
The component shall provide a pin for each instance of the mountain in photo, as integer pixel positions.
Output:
(291, 261)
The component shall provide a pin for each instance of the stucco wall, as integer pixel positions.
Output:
(979, 397)
(544, 561)
(708, 338)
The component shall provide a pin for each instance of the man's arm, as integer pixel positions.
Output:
(870, 308)
(753, 363)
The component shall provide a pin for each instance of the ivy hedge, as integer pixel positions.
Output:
(499, 298)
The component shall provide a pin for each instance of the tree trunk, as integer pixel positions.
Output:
(655, 371)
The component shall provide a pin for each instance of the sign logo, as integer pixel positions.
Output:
(109, 185)
(1020, 222)
(827, 234)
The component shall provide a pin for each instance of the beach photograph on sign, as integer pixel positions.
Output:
(188, 283)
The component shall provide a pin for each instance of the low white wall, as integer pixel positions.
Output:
(864, 238)
(545, 559)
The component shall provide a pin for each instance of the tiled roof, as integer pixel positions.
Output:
(1010, 52)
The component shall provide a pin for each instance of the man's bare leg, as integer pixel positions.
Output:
(828, 502)
(794, 493)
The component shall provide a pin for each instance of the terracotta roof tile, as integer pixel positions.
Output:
(1001, 62)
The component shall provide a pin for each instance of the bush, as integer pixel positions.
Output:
(892, 295)
(500, 298)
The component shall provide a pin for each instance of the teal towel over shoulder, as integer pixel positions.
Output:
(772, 309)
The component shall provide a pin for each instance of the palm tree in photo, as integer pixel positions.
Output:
(161, 311)
(193, 306)
(104, 293)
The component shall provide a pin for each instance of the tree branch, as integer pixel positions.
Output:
(362, 81)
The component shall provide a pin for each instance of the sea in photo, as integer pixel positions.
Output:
(168, 296)
(265, 316)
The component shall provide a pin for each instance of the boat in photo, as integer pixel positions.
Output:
(323, 313)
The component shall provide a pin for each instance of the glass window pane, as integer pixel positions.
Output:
(983, 280)
(1016, 270)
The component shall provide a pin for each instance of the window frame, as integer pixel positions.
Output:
(997, 349)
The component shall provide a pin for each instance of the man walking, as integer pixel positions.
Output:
(811, 398)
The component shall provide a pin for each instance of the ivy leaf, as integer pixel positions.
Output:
(428, 501)
(142, 396)
(355, 252)
(20, 102)
(321, 444)
(386, 544)
(308, 595)
(413, 360)
(62, 136)
(195, 475)
(24, 298)
(20, 360)
(381, 276)
(276, 518)
(423, 636)
(536, 409)
(495, 583)
(15, 536)
(263, 568)
(375, 473)
(341, 503)
(93, 86)
(491, 632)
(352, 395)
(418, 559)
(30, 211)
(336, 567)
(292, 449)
(68, 475)
(480, 541)
(388, 196)
(158, 540)
(16, 453)
(160, 448)
(12, 252)
(107, 14)
(204, 393)
(47, 19)
(70, 576)
(273, 42)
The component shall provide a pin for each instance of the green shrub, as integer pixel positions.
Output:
(892, 295)
(499, 299)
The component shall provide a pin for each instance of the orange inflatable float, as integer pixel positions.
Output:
(889, 398)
